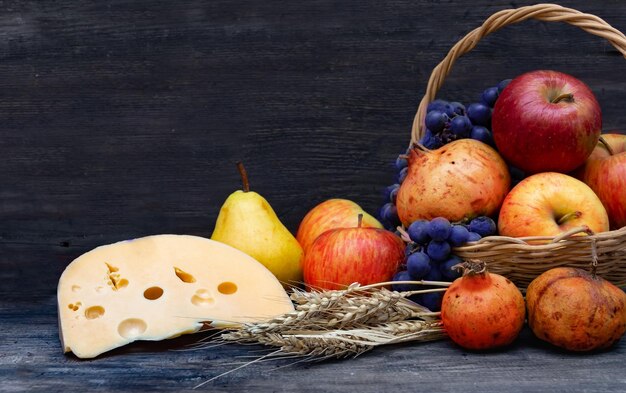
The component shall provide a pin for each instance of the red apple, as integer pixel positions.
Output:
(605, 172)
(342, 256)
(331, 214)
(548, 204)
(546, 121)
(462, 179)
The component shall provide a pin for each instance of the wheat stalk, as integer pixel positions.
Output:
(346, 322)
(341, 323)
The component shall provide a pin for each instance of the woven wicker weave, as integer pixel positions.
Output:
(515, 257)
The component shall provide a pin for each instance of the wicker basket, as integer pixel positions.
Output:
(515, 258)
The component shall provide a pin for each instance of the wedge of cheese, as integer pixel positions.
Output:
(159, 287)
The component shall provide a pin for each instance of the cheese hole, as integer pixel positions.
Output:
(123, 283)
(112, 269)
(75, 288)
(153, 293)
(94, 312)
(202, 298)
(74, 306)
(184, 276)
(132, 327)
(227, 288)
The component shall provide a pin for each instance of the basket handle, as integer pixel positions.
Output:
(544, 12)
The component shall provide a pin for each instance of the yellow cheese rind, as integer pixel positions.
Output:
(160, 287)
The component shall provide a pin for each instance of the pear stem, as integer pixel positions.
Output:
(563, 97)
(568, 216)
(606, 144)
(244, 176)
(359, 220)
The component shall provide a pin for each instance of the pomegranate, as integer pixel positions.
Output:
(575, 309)
(463, 179)
(482, 310)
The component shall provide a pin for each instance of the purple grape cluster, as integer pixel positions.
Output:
(429, 253)
(448, 121)
(388, 214)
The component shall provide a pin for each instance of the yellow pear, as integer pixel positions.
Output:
(247, 222)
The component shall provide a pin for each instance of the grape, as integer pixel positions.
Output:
(438, 250)
(489, 96)
(434, 274)
(402, 174)
(503, 84)
(418, 265)
(439, 228)
(458, 235)
(388, 190)
(479, 114)
(434, 142)
(482, 134)
(431, 300)
(447, 136)
(389, 214)
(473, 237)
(461, 126)
(403, 276)
(411, 248)
(483, 225)
(418, 232)
(446, 268)
(437, 105)
(436, 121)
(457, 109)
(393, 194)
(401, 162)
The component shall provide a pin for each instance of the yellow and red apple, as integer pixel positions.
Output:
(342, 256)
(331, 214)
(548, 204)
(605, 172)
(546, 121)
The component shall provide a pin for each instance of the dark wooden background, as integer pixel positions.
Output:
(120, 119)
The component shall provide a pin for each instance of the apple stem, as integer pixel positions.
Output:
(569, 97)
(359, 220)
(244, 176)
(569, 216)
(606, 144)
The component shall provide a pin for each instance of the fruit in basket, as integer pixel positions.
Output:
(482, 310)
(342, 256)
(548, 204)
(332, 214)
(605, 172)
(484, 226)
(576, 310)
(464, 179)
(546, 121)
(247, 222)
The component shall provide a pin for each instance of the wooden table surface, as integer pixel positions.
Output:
(122, 118)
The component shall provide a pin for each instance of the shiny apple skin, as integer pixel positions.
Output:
(332, 214)
(536, 135)
(340, 257)
(535, 205)
(606, 175)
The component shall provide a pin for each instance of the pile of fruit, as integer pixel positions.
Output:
(526, 161)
